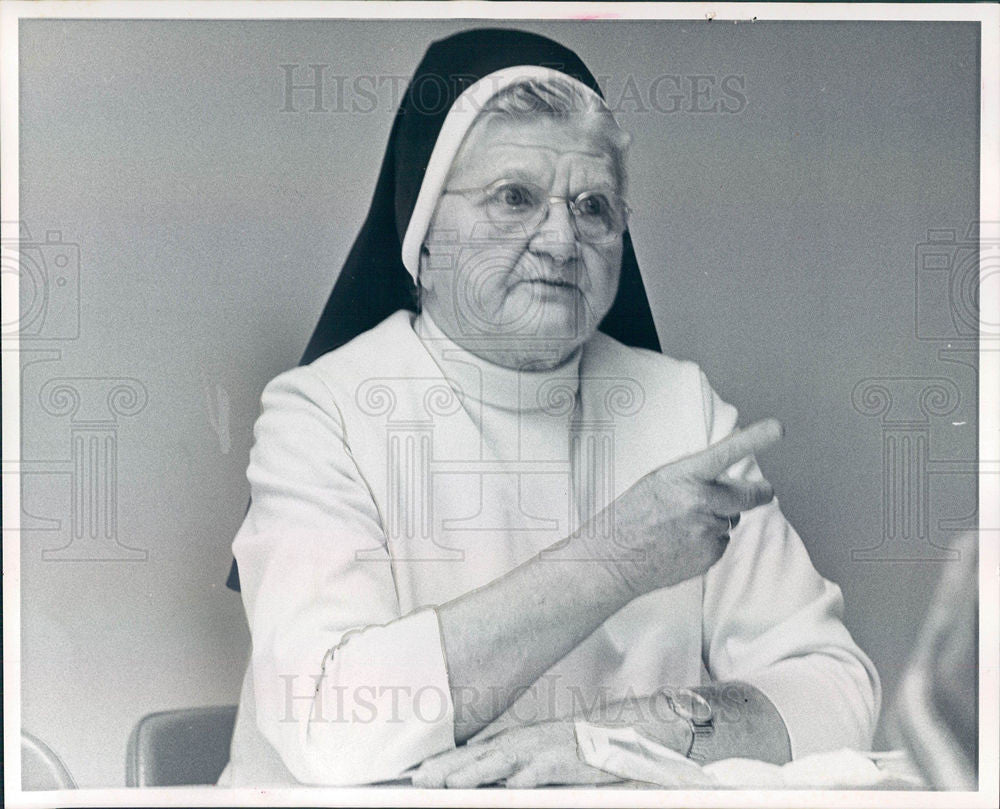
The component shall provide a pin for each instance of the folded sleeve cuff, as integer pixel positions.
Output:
(381, 705)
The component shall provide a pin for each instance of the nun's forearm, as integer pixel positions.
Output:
(500, 638)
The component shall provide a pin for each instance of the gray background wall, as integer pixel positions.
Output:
(778, 244)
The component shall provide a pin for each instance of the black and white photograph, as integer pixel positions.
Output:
(500, 404)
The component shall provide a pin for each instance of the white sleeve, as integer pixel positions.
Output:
(346, 690)
(772, 621)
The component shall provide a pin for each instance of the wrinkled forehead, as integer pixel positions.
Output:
(537, 149)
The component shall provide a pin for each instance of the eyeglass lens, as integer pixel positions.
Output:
(597, 215)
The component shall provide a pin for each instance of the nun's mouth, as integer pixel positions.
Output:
(553, 282)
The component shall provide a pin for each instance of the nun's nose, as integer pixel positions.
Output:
(556, 236)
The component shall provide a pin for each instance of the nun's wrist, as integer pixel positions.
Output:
(589, 570)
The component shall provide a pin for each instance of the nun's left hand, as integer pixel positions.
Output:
(526, 756)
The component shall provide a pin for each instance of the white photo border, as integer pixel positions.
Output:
(988, 15)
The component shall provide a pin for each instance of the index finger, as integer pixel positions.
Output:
(716, 459)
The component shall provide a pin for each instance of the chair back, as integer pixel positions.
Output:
(173, 748)
(41, 768)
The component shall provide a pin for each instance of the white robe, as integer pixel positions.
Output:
(399, 472)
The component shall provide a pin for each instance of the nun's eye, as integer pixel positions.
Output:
(515, 197)
(592, 204)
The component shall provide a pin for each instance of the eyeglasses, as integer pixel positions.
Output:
(518, 208)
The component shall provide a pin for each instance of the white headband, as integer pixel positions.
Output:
(460, 118)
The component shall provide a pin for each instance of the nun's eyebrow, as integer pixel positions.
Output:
(510, 157)
(532, 162)
(512, 144)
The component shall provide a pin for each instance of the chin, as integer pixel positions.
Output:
(564, 334)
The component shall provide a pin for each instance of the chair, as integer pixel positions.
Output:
(173, 748)
(41, 768)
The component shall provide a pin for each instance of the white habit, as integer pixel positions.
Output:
(399, 472)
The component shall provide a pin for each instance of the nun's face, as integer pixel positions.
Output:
(507, 272)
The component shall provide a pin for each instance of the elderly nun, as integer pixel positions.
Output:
(486, 505)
